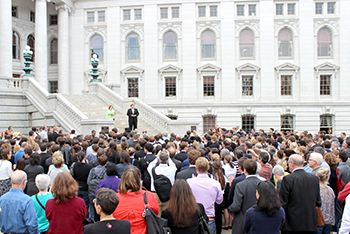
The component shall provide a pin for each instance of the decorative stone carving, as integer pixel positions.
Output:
(293, 24)
(210, 24)
(251, 23)
(102, 29)
(332, 23)
(25, 27)
(248, 68)
(170, 70)
(287, 68)
(165, 26)
(209, 69)
(327, 68)
(126, 28)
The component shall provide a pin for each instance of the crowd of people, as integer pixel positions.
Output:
(257, 182)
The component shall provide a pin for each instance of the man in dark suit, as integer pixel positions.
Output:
(149, 157)
(237, 180)
(141, 153)
(193, 155)
(244, 197)
(132, 113)
(300, 194)
(182, 155)
(178, 163)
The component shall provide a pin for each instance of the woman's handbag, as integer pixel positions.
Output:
(203, 226)
(155, 224)
(320, 219)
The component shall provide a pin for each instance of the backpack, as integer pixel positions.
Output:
(93, 183)
(162, 185)
(146, 177)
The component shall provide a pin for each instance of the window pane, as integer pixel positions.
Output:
(247, 123)
(32, 16)
(252, 10)
(133, 48)
(213, 11)
(31, 43)
(326, 124)
(247, 85)
(287, 123)
(53, 86)
(240, 10)
(126, 14)
(170, 86)
(138, 14)
(330, 8)
(175, 12)
(163, 13)
(208, 85)
(285, 40)
(324, 42)
(208, 44)
(201, 11)
(91, 17)
(279, 9)
(15, 45)
(246, 43)
(96, 46)
(325, 85)
(170, 45)
(101, 16)
(14, 11)
(291, 9)
(53, 51)
(208, 123)
(286, 85)
(319, 9)
(53, 19)
(133, 87)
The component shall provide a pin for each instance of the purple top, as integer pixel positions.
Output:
(207, 191)
(111, 182)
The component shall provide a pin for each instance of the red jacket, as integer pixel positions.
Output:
(131, 207)
(344, 193)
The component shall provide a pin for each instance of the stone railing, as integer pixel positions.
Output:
(107, 94)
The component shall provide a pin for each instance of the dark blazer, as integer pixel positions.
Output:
(181, 156)
(129, 113)
(233, 186)
(178, 164)
(215, 145)
(54, 136)
(300, 194)
(43, 157)
(243, 199)
(133, 144)
(140, 154)
(145, 161)
(187, 173)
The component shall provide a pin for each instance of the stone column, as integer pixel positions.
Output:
(63, 48)
(6, 38)
(41, 43)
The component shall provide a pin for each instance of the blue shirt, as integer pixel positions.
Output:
(17, 213)
(18, 155)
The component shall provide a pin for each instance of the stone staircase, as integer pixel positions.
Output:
(95, 108)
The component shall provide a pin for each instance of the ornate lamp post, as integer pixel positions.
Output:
(28, 55)
(94, 64)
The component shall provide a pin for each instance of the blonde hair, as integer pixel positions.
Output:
(322, 173)
(215, 157)
(202, 164)
(57, 159)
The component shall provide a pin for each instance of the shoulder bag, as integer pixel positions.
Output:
(203, 226)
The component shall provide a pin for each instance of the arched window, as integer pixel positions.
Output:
(246, 43)
(208, 44)
(15, 45)
(170, 45)
(324, 42)
(31, 43)
(53, 51)
(132, 47)
(96, 46)
(285, 43)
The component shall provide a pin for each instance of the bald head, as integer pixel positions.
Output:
(18, 179)
(297, 160)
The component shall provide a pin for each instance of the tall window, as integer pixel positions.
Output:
(326, 124)
(285, 41)
(286, 85)
(287, 123)
(31, 43)
(279, 9)
(330, 8)
(133, 87)
(252, 10)
(53, 51)
(14, 11)
(175, 12)
(291, 9)
(96, 46)
(324, 42)
(164, 13)
(91, 17)
(201, 11)
(15, 45)
(138, 14)
(246, 43)
(208, 86)
(170, 45)
(126, 15)
(240, 10)
(213, 11)
(170, 86)
(247, 85)
(325, 85)
(208, 123)
(133, 47)
(208, 44)
(247, 123)
(32, 16)
(53, 86)
(319, 8)
(53, 19)
(101, 16)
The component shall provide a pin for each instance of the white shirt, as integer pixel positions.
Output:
(43, 135)
(5, 169)
(162, 169)
(345, 225)
(229, 171)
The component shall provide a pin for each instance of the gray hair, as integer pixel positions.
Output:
(224, 152)
(335, 143)
(278, 169)
(18, 177)
(42, 181)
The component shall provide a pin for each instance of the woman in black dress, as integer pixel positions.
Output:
(33, 169)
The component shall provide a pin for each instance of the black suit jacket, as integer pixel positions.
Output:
(300, 194)
(181, 156)
(54, 136)
(140, 153)
(187, 173)
(145, 161)
(129, 113)
(178, 164)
